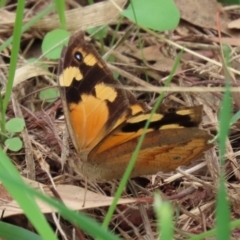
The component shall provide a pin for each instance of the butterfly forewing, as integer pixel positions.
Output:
(94, 103)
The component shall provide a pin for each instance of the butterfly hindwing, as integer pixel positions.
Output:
(172, 139)
(162, 150)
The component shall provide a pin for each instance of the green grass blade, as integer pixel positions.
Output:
(222, 208)
(2, 3)
(164, 215)
(5, 101)
(207, 235)
(222, 213)
(29, 24)
(60, 6)
(131, 164)
(24, 199)
(14, 53)
(24, 194)
(235, 118)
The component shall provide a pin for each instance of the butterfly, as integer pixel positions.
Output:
(105, 121)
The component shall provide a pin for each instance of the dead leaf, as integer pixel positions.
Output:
(6, 16)
(202, 13)
(29, 71)
(72, 196)
(160, 62)
(235, 24)
(131, 216)
(101, 13)
(230, 41)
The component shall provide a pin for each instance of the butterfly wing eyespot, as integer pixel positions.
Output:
(78, 56)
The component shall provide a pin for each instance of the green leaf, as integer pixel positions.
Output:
(99, 32)
(49, 95)
(160, 15)
(37, 62)
(11, 232)
(32, 60)
(14, 144)
(15, 125)
(53, 42)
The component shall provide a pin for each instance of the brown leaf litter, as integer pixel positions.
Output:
(43, 159)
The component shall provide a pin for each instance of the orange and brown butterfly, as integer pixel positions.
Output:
(105, 121)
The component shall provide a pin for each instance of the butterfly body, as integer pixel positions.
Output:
(105, 121)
